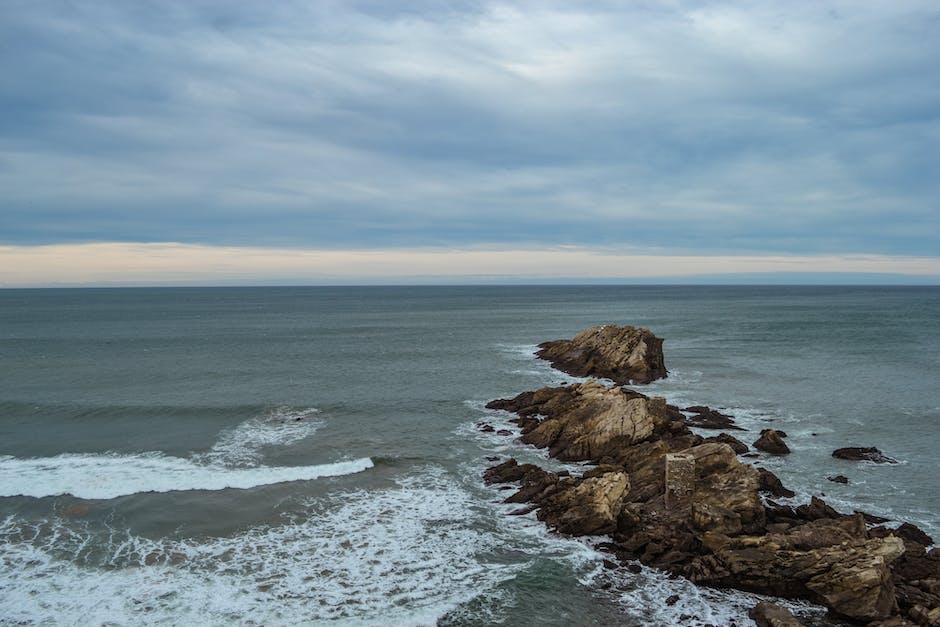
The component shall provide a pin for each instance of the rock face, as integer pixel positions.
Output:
(719, 532)
(869, 454)
(622, 354)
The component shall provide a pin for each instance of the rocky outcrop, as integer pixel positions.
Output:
(864, 454)
(724, 534)
(771, 441)
(622, 354)
(588, 421)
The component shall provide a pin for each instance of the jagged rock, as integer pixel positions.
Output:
(771, 441)
(869, 454)
(766, 614)
(912, 533)
(707, 418)
(737, 445)
(588, 507)
(622, 354)
(838, 479)
(586, 420)
(851, 578)
(769, 482)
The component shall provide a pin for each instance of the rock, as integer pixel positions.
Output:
(504, 432)
(910, 532)
(707, 418)
(771, 441)
(769, 482)
(586, 421)
(766, 614)
(838, 479)
(736, 445)
(816, 510)
(672, 600)
(870, 454)
(588, 507)
(622, 354)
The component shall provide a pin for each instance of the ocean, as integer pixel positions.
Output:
(283, 456)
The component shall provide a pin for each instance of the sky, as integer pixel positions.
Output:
(218, 142)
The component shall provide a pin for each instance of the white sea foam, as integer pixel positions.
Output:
(233, 462)
(404, 555)
(108, 476)
(244, 444)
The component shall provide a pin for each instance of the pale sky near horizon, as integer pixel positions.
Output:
(189, 141)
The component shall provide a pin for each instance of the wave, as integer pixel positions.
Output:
(111, 475)
(243, 445)
(402, 555)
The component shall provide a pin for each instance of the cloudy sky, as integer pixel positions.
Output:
(213, 141)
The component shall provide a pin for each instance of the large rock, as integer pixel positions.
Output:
(586, 420)
(771, 441)
(853, 577)
(622, 354)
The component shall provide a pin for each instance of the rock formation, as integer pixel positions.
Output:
(771, 441)
(673, 500)
(867, 454)
(622, 354)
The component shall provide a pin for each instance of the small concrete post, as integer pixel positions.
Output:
(680, 480)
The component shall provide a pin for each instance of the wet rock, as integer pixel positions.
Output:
(736, 445)
(869, 454)
(771, 441)
(504, 432)
(707, 418)
(770, 483)
(838, 479)
(766, 614)
(622, 354)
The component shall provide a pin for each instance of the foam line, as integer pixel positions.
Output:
(108, 476)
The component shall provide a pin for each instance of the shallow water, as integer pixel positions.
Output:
(308, 455)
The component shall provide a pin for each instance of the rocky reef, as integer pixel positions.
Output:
(622, 354)
(673, 500)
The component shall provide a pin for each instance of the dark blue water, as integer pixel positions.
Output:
(285, 455)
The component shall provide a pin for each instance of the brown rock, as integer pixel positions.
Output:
(622, 354)
(586, 421)
(588, 507)
(737, 445)
(766, 614)
(769, 482)
(771, 441)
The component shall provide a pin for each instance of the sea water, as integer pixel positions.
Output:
(280, 456)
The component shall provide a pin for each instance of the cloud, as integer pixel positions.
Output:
(734, 128)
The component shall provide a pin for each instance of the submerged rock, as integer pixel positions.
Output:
(707, 418)
(865, 454)
(622, 354)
